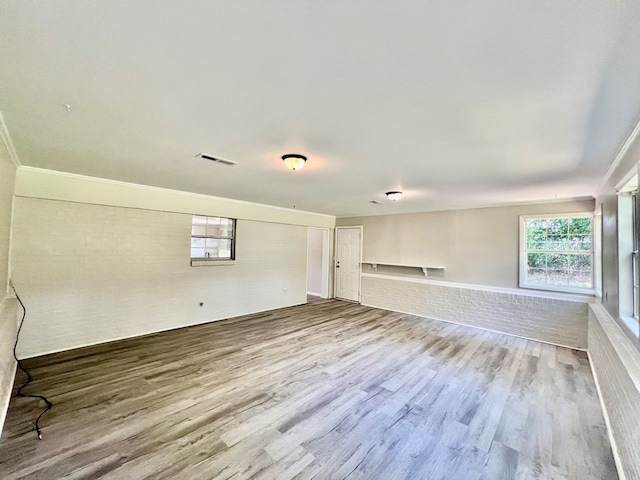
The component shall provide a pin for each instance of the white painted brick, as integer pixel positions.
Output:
(616, 363)
(9, 313)
(549, 320)
(91, 273)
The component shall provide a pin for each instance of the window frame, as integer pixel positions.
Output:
(524, 251)
(628, 255)
(635, 254)
(197, 261)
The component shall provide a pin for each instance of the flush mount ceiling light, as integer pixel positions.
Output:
(294, 161)
(394, 195)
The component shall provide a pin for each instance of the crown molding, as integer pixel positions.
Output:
(622, 152)
(34, 182)
(477, 207)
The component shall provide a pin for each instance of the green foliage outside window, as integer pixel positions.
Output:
(559, 251)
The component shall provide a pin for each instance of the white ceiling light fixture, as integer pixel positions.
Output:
(294, 161)
(395, 195)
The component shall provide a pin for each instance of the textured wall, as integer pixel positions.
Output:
(550, 320)
(314, 261)
(8, 326)
(91, 273)
(607, 200)
(616, 363)
(477, 246)
(7, 182)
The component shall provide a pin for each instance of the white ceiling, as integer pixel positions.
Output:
(457, 103)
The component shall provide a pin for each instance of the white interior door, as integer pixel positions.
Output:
(348, 248)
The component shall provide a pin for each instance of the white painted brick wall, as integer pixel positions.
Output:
(550, 320)
(92, 273)
(7, 306)
(616, 363)
(8, 329)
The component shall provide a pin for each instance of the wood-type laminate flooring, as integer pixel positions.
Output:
(327, 390)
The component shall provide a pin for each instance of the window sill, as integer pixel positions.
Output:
(581, 291)
(211, 263)
(631, 325)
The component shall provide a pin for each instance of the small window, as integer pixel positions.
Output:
(556, 252)
(212, 238)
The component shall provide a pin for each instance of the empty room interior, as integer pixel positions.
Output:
(320, 240)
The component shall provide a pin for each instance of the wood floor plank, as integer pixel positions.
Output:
(327, 390)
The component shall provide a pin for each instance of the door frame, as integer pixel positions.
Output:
(335, 262)
(326, 262)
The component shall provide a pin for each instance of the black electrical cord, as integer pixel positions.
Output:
(20, 393)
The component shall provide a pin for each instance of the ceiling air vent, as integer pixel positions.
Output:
(217, 159)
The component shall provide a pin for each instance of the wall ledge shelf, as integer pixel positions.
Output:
(425, 268)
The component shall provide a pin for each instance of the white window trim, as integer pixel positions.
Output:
(522, 266)
(627, 222)
(211, 262)
(215, 261)
(631, 325)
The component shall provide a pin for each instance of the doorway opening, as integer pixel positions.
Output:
(318, 262)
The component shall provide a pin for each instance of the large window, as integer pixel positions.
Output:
(556, 252)
(212, 238)
(628, 254)
(635, 261)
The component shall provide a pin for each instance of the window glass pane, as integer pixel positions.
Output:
(198, 225)
(550, 246)
(580, 242)
(536, 276)
(580, 262)
(557, 261)
(212, 237)
(536, 260)
(226, 227)
(225, 249)
(580, 279)
(558, 226)
(213, 230)
(557, 242)
(557, 277)
(197, 242)
(199, 230)
(536, 234)
(580, 268)
(580, 226)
